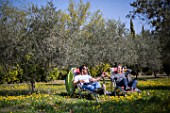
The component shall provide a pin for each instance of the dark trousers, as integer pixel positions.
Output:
(132, 84)
(124, 83)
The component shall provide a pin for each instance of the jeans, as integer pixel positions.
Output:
(124, 83)
(91, 86)
(132, 84)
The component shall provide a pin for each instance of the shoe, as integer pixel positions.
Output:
(108, 93)
(99, 91)
(137, 90)
(132, 89)
(127, 88)
(113, 93)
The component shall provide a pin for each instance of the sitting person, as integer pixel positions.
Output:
(131, 82)
(86, 81)
(121, 78)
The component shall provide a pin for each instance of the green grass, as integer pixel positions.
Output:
(52, 98)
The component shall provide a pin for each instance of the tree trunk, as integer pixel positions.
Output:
(32, 85)
(136, 76)
(154, 73)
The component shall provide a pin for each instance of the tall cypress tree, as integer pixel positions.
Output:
(143, 29)
(132, 31)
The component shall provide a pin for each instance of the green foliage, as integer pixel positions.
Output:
(70, 87)
(54, 74)
(63, 73)
(13, 75)
(157, 14)
(132, 30)
(94, 71)
(2, 76)
(98, 69)
(106, 67)
(153, 12)
(149, 51)
(57, 74)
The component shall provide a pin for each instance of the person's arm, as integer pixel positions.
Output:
(95, 79)
(98, 78)
(128, 72)
(78, 81)
(127, 75)
(112, 76)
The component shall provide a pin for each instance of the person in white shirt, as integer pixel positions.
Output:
(87, 81)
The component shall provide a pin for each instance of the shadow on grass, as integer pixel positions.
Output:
(23, 92)
(86, 95)
(14, 92)
(152, 104)
(150, 77)
(155, 88)
(53, 84)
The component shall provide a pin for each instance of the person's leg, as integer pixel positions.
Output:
(124, 83)
(92, 86)
(132, 84)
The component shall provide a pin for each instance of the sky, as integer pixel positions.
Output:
(111, 9)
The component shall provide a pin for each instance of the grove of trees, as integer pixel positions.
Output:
(157, 14)
(37, 42)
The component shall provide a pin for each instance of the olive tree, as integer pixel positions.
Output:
(157, 14)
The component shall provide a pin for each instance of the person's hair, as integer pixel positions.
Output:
(81, 68)
(119, 64)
